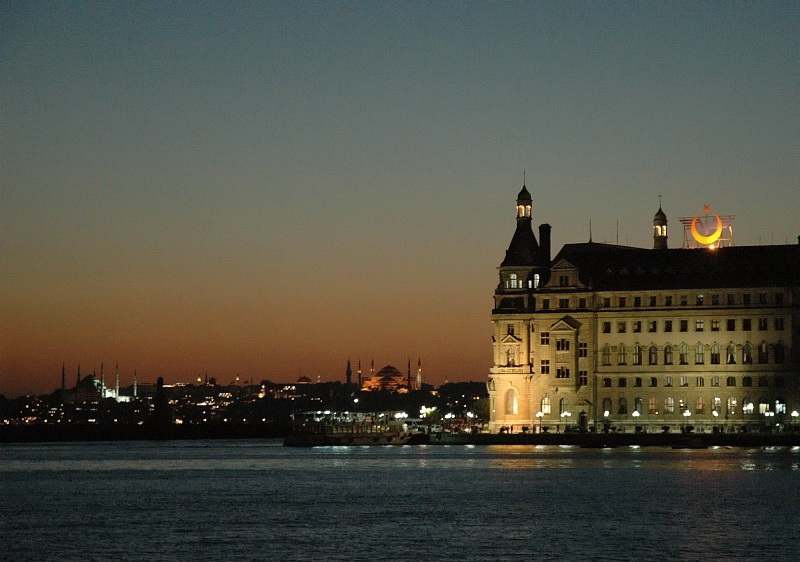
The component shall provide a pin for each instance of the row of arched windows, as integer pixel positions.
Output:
(731, 406)
(698, 354)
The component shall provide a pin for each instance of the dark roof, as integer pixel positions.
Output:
(610, 267)
(524, 249)
(660, 216)
(524, 194)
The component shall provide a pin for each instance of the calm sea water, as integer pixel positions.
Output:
(235, 500)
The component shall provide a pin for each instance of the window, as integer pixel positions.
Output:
(545, 338)
(747, 354)
(763, 355)
(669, 405)
(683, 354)
(583, 378)
(746, 298)
(562, 373)
(684, 300)
(606, 406)
(621, 327)
(606, 327)
(762, 324)
(715, 380)
(699, 325)
(637, 405)
(715, 325)
(545, 367)
(637, 326)
(684, 325)
(763, 381)
(637, 301)
(779, 352)
(684, 381)
(747, 406)
(668, 300)
(730, 406)
(622, 302)
(621, 359)
(762, 298)
(623, 407)
(583, 349)
(652, 407)
(779, 324)
(563, 280)
(546, 405)
(731, 325)
(731, 299)
(512, 403)
(511, 357)
(667, 381)
(545, 303)
(637, 354)
(582, 302)
(652, 355)
(699, 354)
(653, 382)
(747, 324)
(779, 299)
(510, 329)
(700, 405)
(563, 303)
(535, 280)
(606, 382)
(715, 354)
(730, 381)
(652, 326)
(699, 300)
(747, 381)
(715, 300)
(606, 355)
(667, 325)
(780, 406)
(562, 344)
(623, 382)
(653, 301)
(700, 381)
(730, 354)
(606, 302)
(716, 404)
(563, 406)
(637, 382)
(511, 283)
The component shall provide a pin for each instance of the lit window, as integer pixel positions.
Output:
(669, 405)
(652, 406)
(715, 325)
(747, 406)
(699, 325)
(730, 406)
(546, 405)
(700, 405)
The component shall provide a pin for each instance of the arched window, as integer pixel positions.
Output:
(623, 407)
(621, 360)
(730, 406)
(730, 354)
(763, 406)
(546, 405)
(637, 354)
(699, 354)
(606, 406)
(716, 404)
(606, 354)
(700, 405)
(563, 406)
(683, 356)
(511, 357)
(637, 405)
(715, 354)
(780, 406)
(512, 403)
(535, 280)
(763, 353)
(668, 354)
(747, 405)
(653, 355)
(730, 381)
(606, 382)
(669, 405)
(747, 354)
(653, 406)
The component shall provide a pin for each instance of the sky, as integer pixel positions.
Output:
(270, 189)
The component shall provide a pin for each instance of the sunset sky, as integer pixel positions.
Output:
(270, 189)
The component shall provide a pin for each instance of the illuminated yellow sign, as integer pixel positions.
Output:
(707, 239)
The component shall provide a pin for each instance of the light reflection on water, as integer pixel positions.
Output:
(254, 499)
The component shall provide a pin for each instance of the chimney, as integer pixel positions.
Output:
(544, 241)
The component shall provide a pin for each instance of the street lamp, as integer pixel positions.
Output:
(794, 418)
(635, 415)
(686, 414)
(716, 415)
(540, 415)
(566, 416)
(606, 422)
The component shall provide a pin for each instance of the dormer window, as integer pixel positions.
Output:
(535, 280)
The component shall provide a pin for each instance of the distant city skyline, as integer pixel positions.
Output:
(272, 189)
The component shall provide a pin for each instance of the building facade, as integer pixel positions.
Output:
(609, 337)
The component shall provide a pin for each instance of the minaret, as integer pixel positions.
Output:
(63, 379)
(135, 383)
(348, 373)
(419, 374)
(359, 374)
(372, 368)
(660, 229)
(116, 386)
(102, 382)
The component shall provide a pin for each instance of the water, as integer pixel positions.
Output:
(242, 500)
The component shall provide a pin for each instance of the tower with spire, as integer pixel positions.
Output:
(348, 373)
(660, 228)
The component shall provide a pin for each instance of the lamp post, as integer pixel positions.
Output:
(635, 415)
(686, 414)
(566, 416)
(540, 415)
(794, 420)
(606, 423)
(716, 415)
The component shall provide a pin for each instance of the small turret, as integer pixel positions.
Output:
(660, 230)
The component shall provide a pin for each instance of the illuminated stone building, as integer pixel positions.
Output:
(635, 339)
